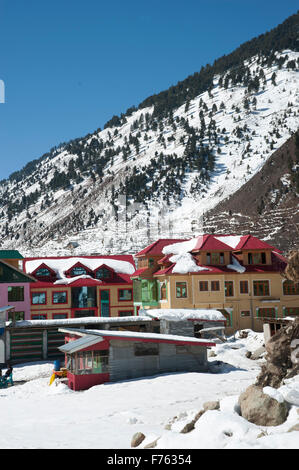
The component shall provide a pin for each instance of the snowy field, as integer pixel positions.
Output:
(35, 415)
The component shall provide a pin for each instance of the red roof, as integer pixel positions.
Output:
(138, 272)
(155, 249)
(278, 265)
(210, 243)
(248, 242)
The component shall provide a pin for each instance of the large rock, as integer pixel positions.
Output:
(261, 409)
(279, 365)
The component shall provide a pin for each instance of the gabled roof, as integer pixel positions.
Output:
(134, 336)
(249, 242)
(155, 249)
(210, 243)
(20, 275)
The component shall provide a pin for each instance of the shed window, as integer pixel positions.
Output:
(146, 349)
(89, 362)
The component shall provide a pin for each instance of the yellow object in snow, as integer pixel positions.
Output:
(53, 376)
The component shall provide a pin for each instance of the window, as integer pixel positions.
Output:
(245, 313)
(229, 288)
(78, 271)
(59, 297)
(261, 288)
(203, 286)
(257, 258)
(15, 294)
(290, 288)
(146, 349)
(16, 316)
(60, 316)
(38, 298)
(181, 290)
(291, 311)
(215, 285)
(266, 312)
(125, 294)
(163, 291)
(125, 313)
(243, 287)
(39, 316)
(151, 262)
(215, 258)
(43, 272)
(84, 297)
(89, 362)
(103, 273)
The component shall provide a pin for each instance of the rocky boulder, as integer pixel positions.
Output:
(280, 357)
(261, 409)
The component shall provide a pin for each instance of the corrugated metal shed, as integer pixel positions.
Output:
(81, 343)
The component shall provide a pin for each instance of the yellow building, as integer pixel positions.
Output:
(239, 275)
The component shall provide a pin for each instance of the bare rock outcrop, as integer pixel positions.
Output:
(281, 361)
(261, 409)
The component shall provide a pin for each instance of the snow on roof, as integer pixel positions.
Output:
(182, 258)
(61, 265)
(180, 314)
(133, 335)
(71, 280)
(230, 240)
(156, 248)
(236, 266)
(78, 321)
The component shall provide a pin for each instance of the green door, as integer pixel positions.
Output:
(105, 303)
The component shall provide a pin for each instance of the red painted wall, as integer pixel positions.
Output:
(83, 382)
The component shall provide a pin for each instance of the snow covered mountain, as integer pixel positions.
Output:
(157, 170)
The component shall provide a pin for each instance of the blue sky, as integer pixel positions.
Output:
(69, 65)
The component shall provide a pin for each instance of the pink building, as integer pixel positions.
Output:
(14, 286)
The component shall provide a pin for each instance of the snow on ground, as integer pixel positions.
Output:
(36, 415)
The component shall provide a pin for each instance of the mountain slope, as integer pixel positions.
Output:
(156, 170)
(268, 204)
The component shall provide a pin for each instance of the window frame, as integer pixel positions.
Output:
(130, 289)
(217, 283)
(181, 287)
(231, 283)
(258, 294)
(18, 289)
(291, 284)
(60, 292)
(39, 293)
(203, 286)
(247, 286)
